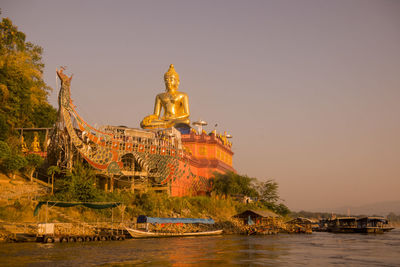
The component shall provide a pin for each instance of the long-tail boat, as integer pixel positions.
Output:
(143, 231)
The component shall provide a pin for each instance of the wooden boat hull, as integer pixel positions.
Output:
(342, 229)
(143, 234)
(374, 230)
(364, 230)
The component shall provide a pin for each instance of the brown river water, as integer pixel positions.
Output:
(317, 249)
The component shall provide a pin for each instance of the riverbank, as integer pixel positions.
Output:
(19, 197)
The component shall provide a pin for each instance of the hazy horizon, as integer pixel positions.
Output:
(309, 89)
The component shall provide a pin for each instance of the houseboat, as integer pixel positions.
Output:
(375, 225)
(342, 225)
(365, 225)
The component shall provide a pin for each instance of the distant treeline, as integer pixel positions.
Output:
(313, 215)
(392, 217)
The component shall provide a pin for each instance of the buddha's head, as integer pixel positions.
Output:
(171, 79)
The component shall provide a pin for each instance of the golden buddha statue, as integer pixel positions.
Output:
(35, 146)
(24, 148)
(175, 105)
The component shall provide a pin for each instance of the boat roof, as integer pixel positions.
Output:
(346, 218)
(377, 218)
(145, 219)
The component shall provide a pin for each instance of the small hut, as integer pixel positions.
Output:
(257, 217)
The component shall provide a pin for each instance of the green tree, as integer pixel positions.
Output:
(4, 128)
(231, 183)
(52, 170)
(281, 209)
(269, 197)
(44, 115)
(23, 92)
(13, 164)
(268, 191)
(33, 161)
(4, 151)
(78, 185)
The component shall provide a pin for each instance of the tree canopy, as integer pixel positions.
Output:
(78, 184)
(233, 184)
(23, 92)
(265, 193)
(268, 191)
(14, 163)
(5, 151)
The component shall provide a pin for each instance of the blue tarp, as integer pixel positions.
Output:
(145, 219)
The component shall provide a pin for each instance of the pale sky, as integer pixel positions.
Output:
(309, 90)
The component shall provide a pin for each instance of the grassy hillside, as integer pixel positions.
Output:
(19, 197)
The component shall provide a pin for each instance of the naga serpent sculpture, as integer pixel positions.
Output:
(104, 151)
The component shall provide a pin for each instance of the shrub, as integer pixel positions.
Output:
(4, 150)
(14, 163)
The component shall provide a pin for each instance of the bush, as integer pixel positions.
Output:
(14, 163)
(4, 151)
(78, 185)
(3, 127)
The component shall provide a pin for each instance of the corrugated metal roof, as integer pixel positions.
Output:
(301, 219)
(262, 213)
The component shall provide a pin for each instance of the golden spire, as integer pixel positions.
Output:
(171, 72)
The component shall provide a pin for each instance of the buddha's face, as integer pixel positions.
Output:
(171, 83)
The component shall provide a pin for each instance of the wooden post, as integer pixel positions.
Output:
(52, 184)
(112, 183)
(133, 184)
(47, 211)
(45, 140)
(112, 220)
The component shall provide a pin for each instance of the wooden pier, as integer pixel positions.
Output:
(63, 232)
(68, 232)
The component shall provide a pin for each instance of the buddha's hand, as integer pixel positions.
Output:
(149, 119)
(168, 117)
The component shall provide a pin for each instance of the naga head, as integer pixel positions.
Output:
(65, 80)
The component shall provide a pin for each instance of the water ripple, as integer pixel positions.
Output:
(317, 249)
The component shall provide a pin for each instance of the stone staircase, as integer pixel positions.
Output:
(19, 188)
